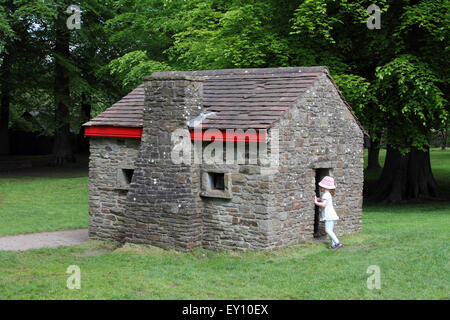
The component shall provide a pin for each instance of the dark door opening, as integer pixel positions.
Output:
(319, 230)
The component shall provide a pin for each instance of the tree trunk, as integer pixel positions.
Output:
(405, 177)
(62, 147)
(83, 142)
(373, 156)
(4, 106)
(444, 138)
(420, 181)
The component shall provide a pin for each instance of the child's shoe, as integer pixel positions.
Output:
(337, 246)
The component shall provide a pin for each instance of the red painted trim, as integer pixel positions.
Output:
(221, 135)
(196, 135)
(117, 132)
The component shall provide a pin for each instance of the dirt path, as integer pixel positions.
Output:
(44, 239)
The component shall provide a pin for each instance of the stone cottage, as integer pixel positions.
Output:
(294, 116)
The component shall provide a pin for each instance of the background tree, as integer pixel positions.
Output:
(412, 105)
(22, 57)
(141, 32)
(393, 76)
(360, 94)
(6, 36)
(63, 68)
(412, 88)
(404, 63)
(91, 86)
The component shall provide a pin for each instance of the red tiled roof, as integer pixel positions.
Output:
(240, 98)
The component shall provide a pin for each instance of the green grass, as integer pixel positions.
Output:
(409, 243)
(440, 165)
(43, 200)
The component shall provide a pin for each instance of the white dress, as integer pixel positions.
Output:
(328, 213)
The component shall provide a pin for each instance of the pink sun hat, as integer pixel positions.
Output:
(327, 183)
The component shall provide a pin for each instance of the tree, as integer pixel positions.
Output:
(360, 94)
(21, 57)
(6, 33)
(90, 85)
(140, 32)
(63, 66)
(5, 104)
(131, 67)
(79, 58)
(411, 87)
(412, 105)
(228, 34)
(404, 62)
(394, 75)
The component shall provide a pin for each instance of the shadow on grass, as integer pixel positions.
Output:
(78, 169)
(440, 164)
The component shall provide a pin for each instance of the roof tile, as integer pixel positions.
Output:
(241, 98)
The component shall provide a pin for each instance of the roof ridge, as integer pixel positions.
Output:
(212, 72)
(241, 98)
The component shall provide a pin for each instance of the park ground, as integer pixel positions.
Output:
(408, 242)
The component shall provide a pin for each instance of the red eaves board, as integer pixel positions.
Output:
(116, 132)
(206, 135)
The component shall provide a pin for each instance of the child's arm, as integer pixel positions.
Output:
(322, 203)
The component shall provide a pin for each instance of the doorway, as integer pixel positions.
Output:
(319, 227)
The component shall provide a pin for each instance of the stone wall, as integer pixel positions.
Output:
(240, 222)
(319, 132)
(107, 187)
(171, 205)
(164, 205)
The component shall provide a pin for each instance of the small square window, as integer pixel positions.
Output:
(216, 184)
(218, 180)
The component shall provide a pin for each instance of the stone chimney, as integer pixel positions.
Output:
(163, 204)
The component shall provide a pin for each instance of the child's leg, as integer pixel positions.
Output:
(329, 224)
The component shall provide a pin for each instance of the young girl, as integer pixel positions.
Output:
(328, 212)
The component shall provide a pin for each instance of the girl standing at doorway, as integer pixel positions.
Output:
(328, 213)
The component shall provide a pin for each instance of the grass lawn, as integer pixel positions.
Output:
(45, 199)
(409, 243)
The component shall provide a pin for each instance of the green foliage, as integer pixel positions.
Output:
(32, 101)
(6, 31)
(312, 17)
(26, 55)
(360, 94)
(357, 91)
(131, 67)
(392, 77)
(238, 34)
(325, 19)
(146, 25)
(411, 101)
(431, 15)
